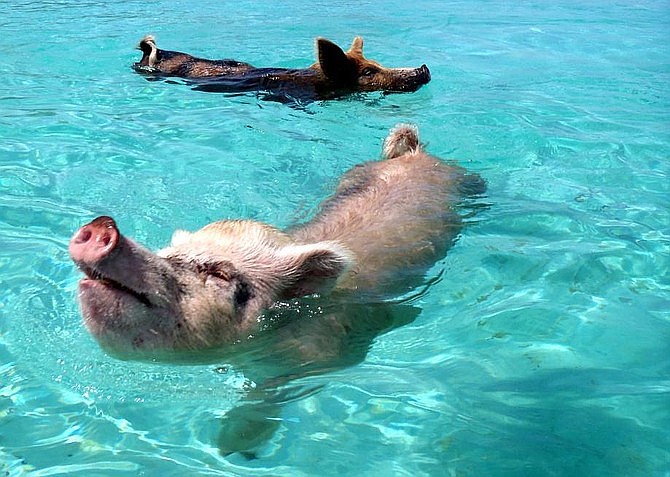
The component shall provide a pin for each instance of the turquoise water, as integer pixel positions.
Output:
(543, 350)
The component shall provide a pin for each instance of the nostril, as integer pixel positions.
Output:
(105, 239)
(84, 236)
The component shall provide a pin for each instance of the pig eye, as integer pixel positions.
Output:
(242, 294)
(369, 71)
(219, 275)
(213, 270)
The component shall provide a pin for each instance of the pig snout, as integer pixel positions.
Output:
(410, 79)
(423, 73)
(94, 241)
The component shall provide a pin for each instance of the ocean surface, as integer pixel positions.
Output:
(541, 346)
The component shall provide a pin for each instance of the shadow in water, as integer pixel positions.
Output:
(578, 422)
(305, 338)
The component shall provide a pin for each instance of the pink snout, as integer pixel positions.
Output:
(94, 241)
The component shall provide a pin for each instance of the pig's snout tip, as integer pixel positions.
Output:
(425, 73)
(94, 241)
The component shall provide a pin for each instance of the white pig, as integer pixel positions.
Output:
(386, 223)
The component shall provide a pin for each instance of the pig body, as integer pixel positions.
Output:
(335, 73)
(183, 65)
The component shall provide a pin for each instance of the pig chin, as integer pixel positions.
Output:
(110, 312)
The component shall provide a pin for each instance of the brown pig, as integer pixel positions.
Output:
(375, 237)
(335, 73)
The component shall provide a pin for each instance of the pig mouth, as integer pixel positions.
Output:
(100, 279)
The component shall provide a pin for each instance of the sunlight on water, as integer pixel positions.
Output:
(540, 347)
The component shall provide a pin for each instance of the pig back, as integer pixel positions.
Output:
(397, 216)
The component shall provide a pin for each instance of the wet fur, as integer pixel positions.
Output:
(397, 216)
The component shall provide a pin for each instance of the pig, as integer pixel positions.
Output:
(386, 223)
(335, 73)
(238, 289)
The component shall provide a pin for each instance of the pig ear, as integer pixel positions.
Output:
(180, 237)
(313, 268)
(357, 46)
(334, 63)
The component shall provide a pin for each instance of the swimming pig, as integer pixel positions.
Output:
(278, 305)
(335, 73)
(385, 224)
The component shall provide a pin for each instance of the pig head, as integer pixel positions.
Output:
(352, 71)
(205, 290)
